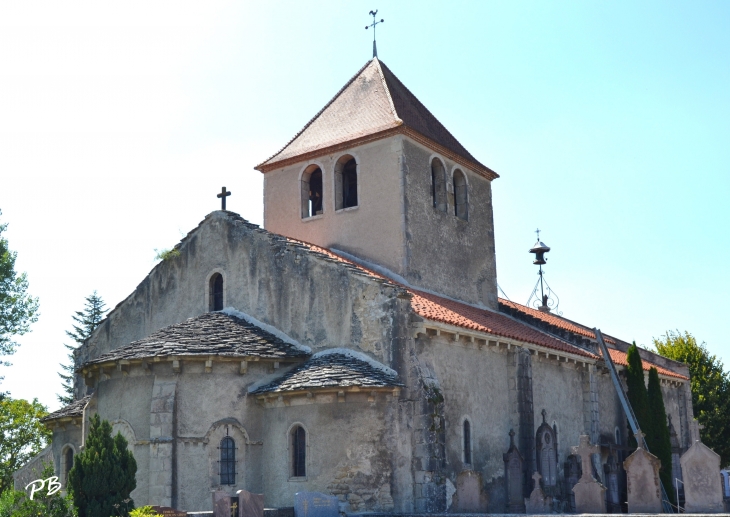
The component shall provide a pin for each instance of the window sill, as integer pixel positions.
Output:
(312, 218)
(298, 479)
(348, 209)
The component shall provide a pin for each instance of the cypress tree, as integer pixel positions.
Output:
(637, 394)
(103, 474)
(659, 441)
(87, 320)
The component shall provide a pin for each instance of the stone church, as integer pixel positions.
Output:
(355, 345)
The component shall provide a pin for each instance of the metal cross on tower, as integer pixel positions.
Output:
(223, 195)
(375, 22)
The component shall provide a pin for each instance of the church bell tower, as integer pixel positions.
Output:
(375, 175)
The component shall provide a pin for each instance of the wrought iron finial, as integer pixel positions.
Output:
(375, 22)
(547, 300)
(223, 195)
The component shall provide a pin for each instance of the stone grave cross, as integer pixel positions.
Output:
(223, 195)
(585, 450)
(537, 477)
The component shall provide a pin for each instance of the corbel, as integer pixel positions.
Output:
(243, 368)
(209, 364)
(176, 365)
(341, 396)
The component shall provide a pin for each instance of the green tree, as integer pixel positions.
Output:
(658, 438)
(17, 308)
(103, 474)
(87, 320)
(710, 386)
(637, 394)
(15, 503)
(22, 436)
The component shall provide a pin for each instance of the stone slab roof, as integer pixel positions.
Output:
(372, 102)
(75, 409)
(213, 333)
(333, 370)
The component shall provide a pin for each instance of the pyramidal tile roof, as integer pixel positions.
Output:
(372, 105)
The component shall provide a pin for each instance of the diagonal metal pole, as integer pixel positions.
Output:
(626, 405)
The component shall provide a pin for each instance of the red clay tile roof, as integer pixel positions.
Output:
(373, 101)
(619, 357)
(555, 320)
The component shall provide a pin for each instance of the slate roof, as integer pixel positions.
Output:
(373, 101)
(212, 333)
(333, 370)
(75, 409)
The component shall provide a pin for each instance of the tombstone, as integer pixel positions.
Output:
(166, 511)
(513, 477)
(250, 505)
(537, 503)
(315, 504)
(573, 472)
(644, 491)
(469, 497)
(612, 470)
(701, 471)
(221, 504)
(589, 494)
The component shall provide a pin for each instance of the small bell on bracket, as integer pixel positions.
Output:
(546, 300)
(539, 249)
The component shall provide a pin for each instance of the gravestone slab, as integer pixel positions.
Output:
(166, 511)
(221, 504)
(250, 505)
(315, 504)
(701, 474)
(513, 476)
(537, 503)
(469, 497)
(642, 481)
(589, 494)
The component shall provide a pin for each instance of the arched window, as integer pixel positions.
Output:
(346, 183)
(299, 452)
(227, 462)
(461, 205)
(68, 462)
(312, 192)
(467, 442)
(216, 292)
(617, 436)
(438, 184)
(546, 453)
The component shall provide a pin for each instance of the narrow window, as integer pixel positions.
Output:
(216, 292)
(346, 183)
(69, 462)
(312, 192)
(228, 461)
(438, 184)
(467, 442)
(461, 207)
(299, 452)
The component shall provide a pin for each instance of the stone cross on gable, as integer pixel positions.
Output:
(585, 450)
(223, 195)
(640, 439)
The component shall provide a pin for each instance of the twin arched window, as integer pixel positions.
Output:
(346, 188)
(439, 193)
(227, 464)
(299, 451)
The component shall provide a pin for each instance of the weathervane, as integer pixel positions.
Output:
(375, 22)
(548, 300)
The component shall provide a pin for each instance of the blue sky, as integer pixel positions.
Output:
(608, 122)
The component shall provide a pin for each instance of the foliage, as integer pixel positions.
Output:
(22, 436)
(167, 254)
(710, 386)
(87, 320)
(103, 474)
(15, 503)
(657, 436)
(17, 308)
(144, 511)
(637, 394)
